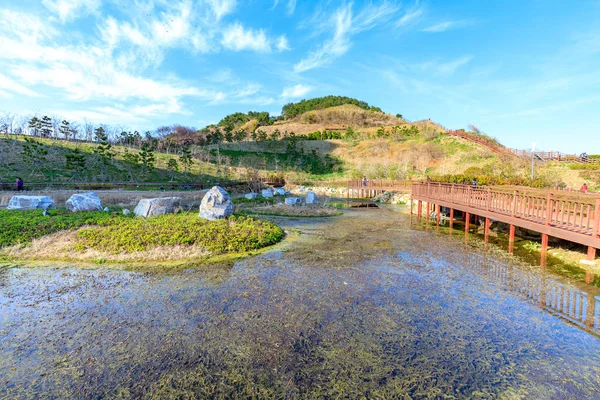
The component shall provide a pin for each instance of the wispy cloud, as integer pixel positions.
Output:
(410, 17)
(292, 92)
(346, 25)
(70, 9)
(290, 6)
(446, 26)
(220, 8)
(238, 38)
(445, 69)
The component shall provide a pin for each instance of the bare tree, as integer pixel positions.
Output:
(88, 129)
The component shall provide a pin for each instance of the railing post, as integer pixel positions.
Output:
(596, 229)
(489, 199)
(549, 206)
(514, 205)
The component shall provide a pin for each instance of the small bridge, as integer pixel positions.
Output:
(576, 220)
(373, 187)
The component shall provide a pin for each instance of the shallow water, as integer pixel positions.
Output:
(363, 305)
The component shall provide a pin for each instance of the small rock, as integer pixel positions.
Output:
(311, 198)
(251, 196)
(280, 192)
(216, 204)
(292, 201)
(126, 212)
(267, 193)
(280, 204)
(302, 188)
(287, 192)
(30, 202)
(106, 209)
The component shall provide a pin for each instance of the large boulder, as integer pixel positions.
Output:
(311, 198)
(158, 206)
(30, 202)
(84, 202)
(280, 191)
(216, 204)
(267, 193)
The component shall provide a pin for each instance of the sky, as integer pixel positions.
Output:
(521, 71)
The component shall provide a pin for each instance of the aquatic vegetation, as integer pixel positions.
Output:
(235, 234)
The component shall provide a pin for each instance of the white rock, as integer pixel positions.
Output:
(126, 212)
(302, 188)
(106, 209)
(251, 196)
(216, 204)
(157, 206)
(292, 201)
(311, 198)
(267, 193)
(280, 191)
(30, 202)
(84, 202)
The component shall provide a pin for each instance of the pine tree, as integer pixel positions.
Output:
(46, 126)
(35, 124)
(34, 154)
(147, 157)
(75, 161)
(173, 166)
(65, 129)
(186, 159)
(104, 146)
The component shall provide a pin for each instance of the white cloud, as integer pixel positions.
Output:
(10, 85)
(220, 8)
(410, 17)
(282, 44)
(70, 9)
(238, 38)
(291, 7)
(345, 26)
(445, 26)
(295, 91)
(445, 69)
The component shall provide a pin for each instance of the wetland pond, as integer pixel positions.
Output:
(365, 305)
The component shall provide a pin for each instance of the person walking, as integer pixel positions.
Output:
(584, 188)
(364, 181)
(19, 184)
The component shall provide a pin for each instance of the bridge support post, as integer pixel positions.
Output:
(467, 222)
(544, 242)
(451, 222)
(419, 209)
(511, 239)
(486, 232)
(591, 253)
(438, 214)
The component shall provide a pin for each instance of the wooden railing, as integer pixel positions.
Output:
(565, 218)
(553, 156)
(379, 184)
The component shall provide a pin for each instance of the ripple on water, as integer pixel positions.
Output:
(357, 305)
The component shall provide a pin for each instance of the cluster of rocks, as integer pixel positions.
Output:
(310, 198)
(216, 204)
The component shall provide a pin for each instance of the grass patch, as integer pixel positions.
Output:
(21, 227)
(235, 234)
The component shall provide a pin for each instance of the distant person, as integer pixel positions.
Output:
(474, 182)
(584, 188)
(19, 185)
(364, 181)
(584, 157)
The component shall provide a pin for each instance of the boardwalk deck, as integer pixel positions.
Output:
(573, 220)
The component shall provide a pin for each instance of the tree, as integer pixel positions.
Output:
(147, 157)
(35, 124)
(173, 166)
(75, 161)
(104, 145)
(186, 159)
(46, 126)
(65, 129)
(34, 154)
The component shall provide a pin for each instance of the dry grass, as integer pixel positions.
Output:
(61, 246)
(295, 211)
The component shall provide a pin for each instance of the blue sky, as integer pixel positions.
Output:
(521, 71)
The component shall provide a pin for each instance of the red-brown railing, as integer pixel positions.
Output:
(380, 184)
(573, 215)
(553, 156)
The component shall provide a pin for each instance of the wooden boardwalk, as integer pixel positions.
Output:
(576, 220)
